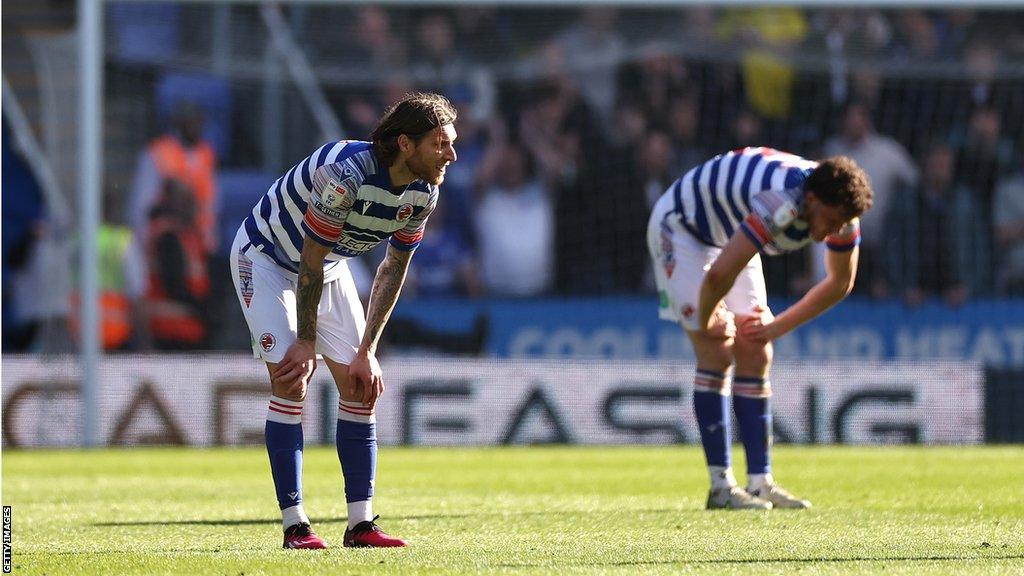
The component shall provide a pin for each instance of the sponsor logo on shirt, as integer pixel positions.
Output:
(329, 211)
(334, 193)
(355, 245)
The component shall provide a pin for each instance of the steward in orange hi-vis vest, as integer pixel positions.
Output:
(179, 282)
(195, 166)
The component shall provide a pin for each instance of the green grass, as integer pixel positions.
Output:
(521, 511)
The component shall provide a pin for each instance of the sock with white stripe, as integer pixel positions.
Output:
(752, 403)
(356, 440)
(711, 406)
(284, 446)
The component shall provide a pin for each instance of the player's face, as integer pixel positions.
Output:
(432, 155)
(823, 219)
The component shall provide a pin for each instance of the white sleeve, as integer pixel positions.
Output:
(134, 272)
(145, 192)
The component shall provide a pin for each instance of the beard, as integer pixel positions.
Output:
(421, 169)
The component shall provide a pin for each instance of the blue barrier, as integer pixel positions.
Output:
(991, 332)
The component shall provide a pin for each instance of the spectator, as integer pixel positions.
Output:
(122, 283)
(614, 198)
(376, 45)
(683, 123)
(36, 253)
(438, 63)
(746, 129)
(656, 168)
(1008, 224)
(866, 88)
(985, 154)
(575, 164)
(938, 246)
(655, 81)
(485, 31)
(444, 266)
(981, 60)
(768, 37)
(181, 154)
(179, 282)
(917, 39)
(594, 49)
(630, 126)
(23, 222)
(989, 86)
(955, 27)
(460, 178)
(515, 228)
(361, 109)
(698, 24)
(857, 33)
(890, 169)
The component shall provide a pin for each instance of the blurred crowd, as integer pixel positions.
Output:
(563, 153)
(572, 122)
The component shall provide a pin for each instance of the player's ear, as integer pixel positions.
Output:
(405, 144)
(810, 196)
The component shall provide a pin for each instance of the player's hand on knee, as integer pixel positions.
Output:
(758, 327)
(297, 366)
(372, 392)
(366, 377)
(723, 324)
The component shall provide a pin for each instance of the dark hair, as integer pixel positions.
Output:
(414, 115)
(839, 181)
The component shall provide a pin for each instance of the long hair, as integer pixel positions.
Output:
(414, 115)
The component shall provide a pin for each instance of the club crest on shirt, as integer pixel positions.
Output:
(267, 341)
(404, 212)
(689, 311)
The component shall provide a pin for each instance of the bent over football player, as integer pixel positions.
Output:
(299, 300)
(705, 235)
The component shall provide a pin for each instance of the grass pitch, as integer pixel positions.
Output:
(520, 511)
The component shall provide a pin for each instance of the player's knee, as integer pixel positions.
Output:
(717, 357)
(288, 390)
(752, 354)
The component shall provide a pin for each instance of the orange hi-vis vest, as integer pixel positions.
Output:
(115, 308)
(170, 320)
(173, 161)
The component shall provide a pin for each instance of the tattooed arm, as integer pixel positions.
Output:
(387, 284)
(300, 360)
(309, 288)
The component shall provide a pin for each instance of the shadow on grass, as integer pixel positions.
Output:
(238, 522)
(723, 561)
(740, 561)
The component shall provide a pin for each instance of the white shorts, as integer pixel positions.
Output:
(680, 262)
(266, 293)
